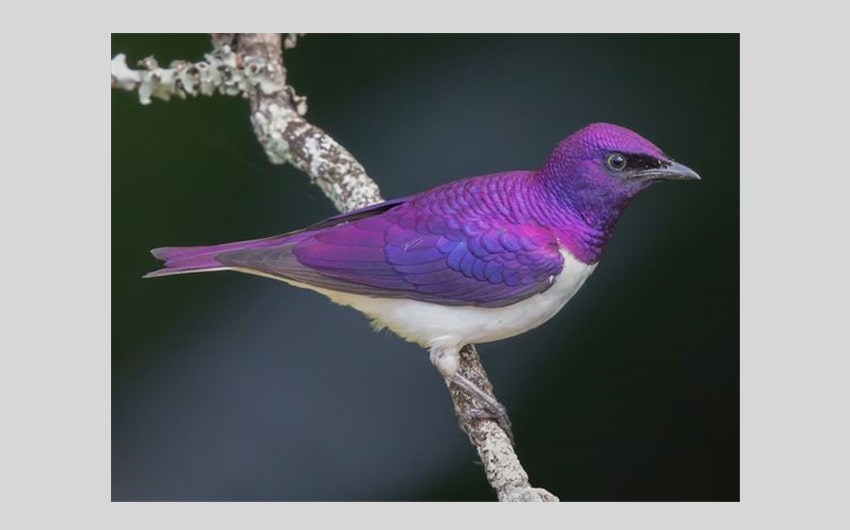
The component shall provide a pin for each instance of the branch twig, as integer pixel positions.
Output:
(251, 65)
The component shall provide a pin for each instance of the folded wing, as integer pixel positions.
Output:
(395, 251)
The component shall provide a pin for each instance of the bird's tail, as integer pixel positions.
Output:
(184, 260)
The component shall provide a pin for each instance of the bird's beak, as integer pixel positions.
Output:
(673, 171)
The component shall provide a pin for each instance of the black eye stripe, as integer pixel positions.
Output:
(639, 162)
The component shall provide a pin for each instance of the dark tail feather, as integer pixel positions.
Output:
(183, 260)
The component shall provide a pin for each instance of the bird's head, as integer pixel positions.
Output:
(598, 169)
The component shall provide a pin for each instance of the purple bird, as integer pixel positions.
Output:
(472, 261)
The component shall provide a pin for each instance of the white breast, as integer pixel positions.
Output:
(448, 327)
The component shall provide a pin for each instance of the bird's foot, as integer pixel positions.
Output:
(448, 364)
(491, 409)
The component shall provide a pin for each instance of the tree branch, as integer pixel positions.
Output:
(251, 65)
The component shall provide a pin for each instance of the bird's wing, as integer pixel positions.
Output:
(395, 251)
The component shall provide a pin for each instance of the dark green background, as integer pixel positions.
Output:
(231, 387)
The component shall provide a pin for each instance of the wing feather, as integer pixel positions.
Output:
(395, 250)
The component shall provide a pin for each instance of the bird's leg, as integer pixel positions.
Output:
(447, 363)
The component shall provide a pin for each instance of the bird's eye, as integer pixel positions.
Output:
(616, 161)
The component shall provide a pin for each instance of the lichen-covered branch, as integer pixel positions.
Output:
(254, 69)
(277, 116)
(501, 464)
(251, 65)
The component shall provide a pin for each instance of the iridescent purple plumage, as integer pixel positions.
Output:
(487, 241)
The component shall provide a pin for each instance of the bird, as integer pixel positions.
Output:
(471, 261)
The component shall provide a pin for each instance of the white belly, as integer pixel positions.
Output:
(440, 327)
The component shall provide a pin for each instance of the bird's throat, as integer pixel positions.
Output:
(584, 240)
(583, 222)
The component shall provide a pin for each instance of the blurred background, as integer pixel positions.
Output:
(228, 387)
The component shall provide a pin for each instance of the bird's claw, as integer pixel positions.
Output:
(500, 416)
(491, 409)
